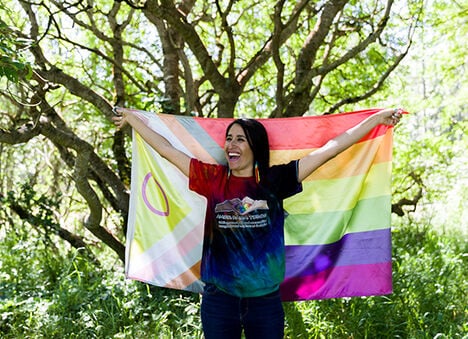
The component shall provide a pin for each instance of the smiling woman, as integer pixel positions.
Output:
(243, 255)
(247, 148)
(238, 152)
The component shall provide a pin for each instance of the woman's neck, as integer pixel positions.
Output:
(242, 174)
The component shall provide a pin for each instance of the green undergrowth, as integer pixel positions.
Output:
(430, 272)
(45, 293)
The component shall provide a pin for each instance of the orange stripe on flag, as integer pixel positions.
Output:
(185, 279)
(187, 139)
(350, 163)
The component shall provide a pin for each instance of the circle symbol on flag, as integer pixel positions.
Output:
(145, 196)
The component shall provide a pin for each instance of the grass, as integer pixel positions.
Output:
(45, 293)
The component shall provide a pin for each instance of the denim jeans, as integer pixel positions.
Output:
(225, 316)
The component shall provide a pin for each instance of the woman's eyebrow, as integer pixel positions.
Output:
(237, 135)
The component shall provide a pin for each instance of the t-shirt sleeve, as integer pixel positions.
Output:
(282, 180)
(202, 175)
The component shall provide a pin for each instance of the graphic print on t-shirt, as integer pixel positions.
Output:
(245, 213)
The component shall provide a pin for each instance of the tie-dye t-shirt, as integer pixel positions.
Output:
(243, 248)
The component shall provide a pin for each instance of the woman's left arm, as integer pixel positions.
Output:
(332, 148)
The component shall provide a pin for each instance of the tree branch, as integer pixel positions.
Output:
(21, 135)
(371, 91)
(398, 207)
(98, 167)
(93, 221)
(168, 12)
(75, 87)
(264, 54)
(299, 100)
(275, 48)
(74, 240)
(352, 52)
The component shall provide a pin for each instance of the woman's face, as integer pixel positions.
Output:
(238, 152)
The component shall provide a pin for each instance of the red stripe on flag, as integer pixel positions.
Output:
(289, 133)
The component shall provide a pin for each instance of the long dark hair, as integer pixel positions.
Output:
(257, 137)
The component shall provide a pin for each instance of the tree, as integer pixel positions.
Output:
(205, 58)
(432, 161)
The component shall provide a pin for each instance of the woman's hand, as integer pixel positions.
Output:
(119, 118)
(159, 143)
(390, 116)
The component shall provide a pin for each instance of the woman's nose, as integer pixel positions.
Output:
(231, 143)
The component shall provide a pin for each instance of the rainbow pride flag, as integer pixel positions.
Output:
(337, 231)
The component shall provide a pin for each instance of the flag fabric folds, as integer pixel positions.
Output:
(337, 231)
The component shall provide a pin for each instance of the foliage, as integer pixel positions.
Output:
(12, 64)
(430, 145)
(62, 295)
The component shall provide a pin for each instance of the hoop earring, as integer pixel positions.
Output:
(257, 173)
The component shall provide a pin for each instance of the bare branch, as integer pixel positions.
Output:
(264, 54)
(275, 48)
(75, 87)
(228, 30)
(398, 207)
(20, 135)
(168, 12)
(94, 204)
(299, 100)
(352, 52)
(97, 166)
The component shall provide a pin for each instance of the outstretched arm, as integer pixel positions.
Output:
(332, 148)
(154, 139)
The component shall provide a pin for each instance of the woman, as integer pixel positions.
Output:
(243, 250)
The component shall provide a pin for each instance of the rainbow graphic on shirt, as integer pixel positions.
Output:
(337, 231)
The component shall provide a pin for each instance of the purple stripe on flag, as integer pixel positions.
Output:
(350, 281)
(353, 249)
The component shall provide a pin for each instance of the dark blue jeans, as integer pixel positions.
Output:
(224, 316)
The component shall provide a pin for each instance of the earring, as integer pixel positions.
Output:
(229, 173)
(257, 173)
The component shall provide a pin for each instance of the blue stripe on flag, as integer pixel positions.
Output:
(205, 140)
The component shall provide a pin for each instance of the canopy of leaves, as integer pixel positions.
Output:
(206, 58)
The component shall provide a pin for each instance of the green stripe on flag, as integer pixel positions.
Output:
(328, 227)
(340, 194)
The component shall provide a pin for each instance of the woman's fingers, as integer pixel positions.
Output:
(119, 121)
(392, 116)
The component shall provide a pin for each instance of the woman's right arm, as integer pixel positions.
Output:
(154, 139)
